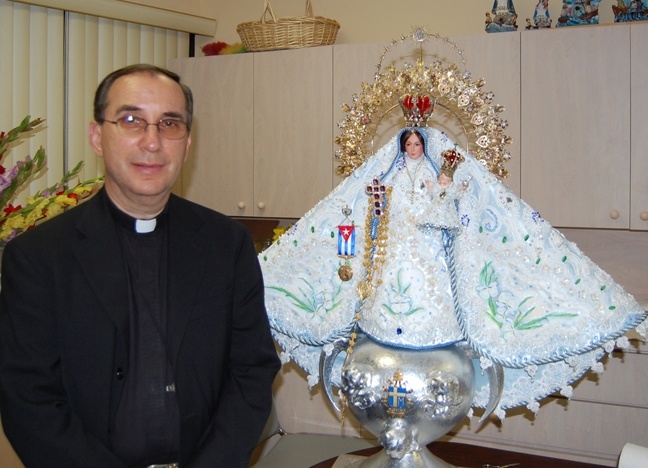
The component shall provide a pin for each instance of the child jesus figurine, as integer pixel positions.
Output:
(441, 212)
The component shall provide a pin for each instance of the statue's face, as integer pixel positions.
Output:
(444, 179)
(414, 147)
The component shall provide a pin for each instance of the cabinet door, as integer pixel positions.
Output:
(293, 137)
(219, 170)
(639, 142)
(576, 125)
(496, 59)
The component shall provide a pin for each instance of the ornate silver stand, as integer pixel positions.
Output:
(406, 398)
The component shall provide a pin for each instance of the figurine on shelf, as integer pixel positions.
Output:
(502, 17)
(541, 18)
(630, 10)
(579, 12)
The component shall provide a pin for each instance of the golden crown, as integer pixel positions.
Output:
(416, 109)
(451, 159)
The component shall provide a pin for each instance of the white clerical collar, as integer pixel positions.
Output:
(143, 226)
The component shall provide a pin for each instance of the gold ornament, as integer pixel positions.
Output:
(345, 272)
(374, 258)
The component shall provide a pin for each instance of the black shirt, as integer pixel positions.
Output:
(146, 429)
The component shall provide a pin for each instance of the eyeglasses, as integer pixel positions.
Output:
(132, 126)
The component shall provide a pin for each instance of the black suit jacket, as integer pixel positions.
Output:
(64, 338)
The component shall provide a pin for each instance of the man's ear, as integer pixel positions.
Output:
(94, 136)
(187, 148)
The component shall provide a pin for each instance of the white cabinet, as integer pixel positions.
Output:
(639, 121)
(220, 170)
(497, 61)
(293, 135)
(262, 139)
(575, 124)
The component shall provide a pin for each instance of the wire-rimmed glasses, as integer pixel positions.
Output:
(131, 126)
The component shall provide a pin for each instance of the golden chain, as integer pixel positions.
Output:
(374, 259)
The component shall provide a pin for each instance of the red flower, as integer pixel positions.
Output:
(213, 48)
(10, 208)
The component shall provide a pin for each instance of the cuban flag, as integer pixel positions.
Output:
(346, 241)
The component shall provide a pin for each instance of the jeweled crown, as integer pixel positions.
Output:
(451, 159)
(416, 109)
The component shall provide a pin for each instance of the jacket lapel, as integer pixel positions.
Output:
(99, 254)
(187, 261)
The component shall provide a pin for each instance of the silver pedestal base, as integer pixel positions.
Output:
(421, 459)
(407, 398)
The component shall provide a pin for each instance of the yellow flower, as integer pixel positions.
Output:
(64, 200)
(31, 217)
(53, 209)
(81, 189)
(46, 203)
(15, 222)
(5, 232)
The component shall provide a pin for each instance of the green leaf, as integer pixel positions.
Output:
(298, 302)
(492, 312)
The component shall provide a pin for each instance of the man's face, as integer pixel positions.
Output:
(141, 170)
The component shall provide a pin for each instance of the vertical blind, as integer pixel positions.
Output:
(53, 62)
(31, 80)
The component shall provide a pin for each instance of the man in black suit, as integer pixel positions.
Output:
(132, 328)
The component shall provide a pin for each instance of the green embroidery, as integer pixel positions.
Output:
(310, 300)
(519, 317)
(400, 302)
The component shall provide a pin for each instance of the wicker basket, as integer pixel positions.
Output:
(292, 32)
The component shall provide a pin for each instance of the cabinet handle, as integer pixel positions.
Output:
(614, 214)
(643, 215)
(241, 205)
(261, 205)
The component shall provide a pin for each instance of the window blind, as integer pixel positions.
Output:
(54, 61)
